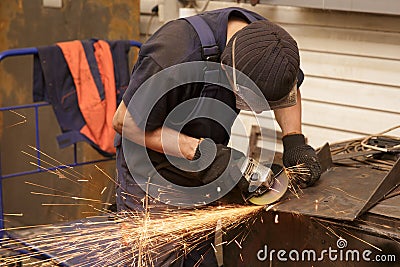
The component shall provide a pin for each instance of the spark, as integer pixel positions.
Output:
(62, 171)
(269, 207)
(333, 232)
(377, 224)
(330, 230)
(89, 212)
(362, 240)
(51, 165)
(59, 174)
(59, 215)
(18, 123)
(61, 196)
(63, 204)
(25, 227)
(215, 250)
(276, 218)
(106, 174)
(15, 124)
(104, 189)
(19, 114)
(346, 232)
(53, 159)
(237, 243)
(339, 189)
(46, 187)
(297, 174)
(14, 214)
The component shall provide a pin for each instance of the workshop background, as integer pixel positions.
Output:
(350, 53)
(29, 23)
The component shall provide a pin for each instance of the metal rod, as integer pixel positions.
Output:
(75, 153)
(38, 149)
(34, 50)
(55, 168)
(41, 104)
(1, 203)
(18, 52)
(135, 43)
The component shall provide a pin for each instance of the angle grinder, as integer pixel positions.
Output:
(267, 183)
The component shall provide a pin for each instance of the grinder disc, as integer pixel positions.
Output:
(277, 190)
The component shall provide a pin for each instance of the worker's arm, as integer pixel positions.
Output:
(163, 139)
(295, 149)
(210, 162)
(289, 119)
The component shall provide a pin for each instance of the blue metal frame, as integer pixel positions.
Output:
(34, 51)
(40, 169)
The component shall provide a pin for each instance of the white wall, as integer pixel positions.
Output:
(352, 66)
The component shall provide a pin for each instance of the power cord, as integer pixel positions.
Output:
(154, 13)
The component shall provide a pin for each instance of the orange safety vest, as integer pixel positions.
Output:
(98, 113)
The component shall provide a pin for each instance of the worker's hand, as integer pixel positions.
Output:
(218, 158)
(297, 152)
(208, 164)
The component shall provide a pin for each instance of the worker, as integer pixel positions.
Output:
(246, 42)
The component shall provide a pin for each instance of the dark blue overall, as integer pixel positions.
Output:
(198, 38)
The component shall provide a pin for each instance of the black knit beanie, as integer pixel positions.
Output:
(268, 55)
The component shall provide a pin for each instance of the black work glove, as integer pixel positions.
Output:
(218, 158)
(297, 152)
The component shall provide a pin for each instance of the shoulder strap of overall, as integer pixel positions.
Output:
(206, 35)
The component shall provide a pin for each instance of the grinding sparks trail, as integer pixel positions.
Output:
(138, 238)
(297, 174)
(131, 238)
(128, 238)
